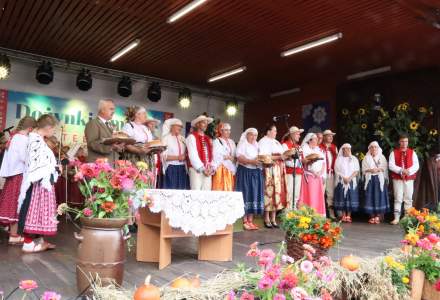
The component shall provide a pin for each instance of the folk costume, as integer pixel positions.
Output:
(346, 194)
(330, 153)
(293, 169)
(225, 169)
(312, 182)
(403, 185)
(175, 174)
(274, 176)
(200, 157)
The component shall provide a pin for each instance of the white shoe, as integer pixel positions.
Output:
(395, 221)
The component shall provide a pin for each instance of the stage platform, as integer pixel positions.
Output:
(55, 270)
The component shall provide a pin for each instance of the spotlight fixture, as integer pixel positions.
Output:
(185, 98)
(125, 50)
(84, 80)
(313, 44)
(44, 74)
(185, 10)
(124, 86)
(231, 108)
(5, 66)
(227, 74)
(154, 92)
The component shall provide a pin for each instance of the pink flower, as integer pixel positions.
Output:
(287, 259)
(253, 252)
(266, 257)
(49, 295)
(273, 273)
(28, 285)
(279, 297)
(420, 219)
(325, 261)
(78, 176)
(404, 242)
(437, 285)
(298, 293)
(288, 282)
(265, 283)
(87, 212)
(127, 184)
(425, 244)
(306, 266)
(116, 182)
(308, 255)
(433, 238)
(230, 296)
(89, 170)
(130, 202)
(247, 296)
(325, 295)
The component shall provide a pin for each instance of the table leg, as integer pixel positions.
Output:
(148, 243)
(216, 247)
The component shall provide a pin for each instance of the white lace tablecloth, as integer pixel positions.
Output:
(198, 212)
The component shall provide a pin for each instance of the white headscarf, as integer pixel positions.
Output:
(243, 137)
(307, 138)
(371, 162)
(345, 167)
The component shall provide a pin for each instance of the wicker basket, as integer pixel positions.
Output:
(296, 250)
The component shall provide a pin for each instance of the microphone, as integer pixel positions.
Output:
(277, 118)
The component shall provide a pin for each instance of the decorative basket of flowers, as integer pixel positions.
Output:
(422, 221)
(305, 226)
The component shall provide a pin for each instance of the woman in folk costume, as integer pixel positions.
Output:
(152, 124)
(346, 177)
(223, 159)
(375, 170)
(174, 157)
(250, 177)
(135, 128)
(314, 175)
(37, 203)
(274, 175)
(12, 169)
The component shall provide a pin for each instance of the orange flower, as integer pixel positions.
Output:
(108, 206)
(326, 227)
(316, 226)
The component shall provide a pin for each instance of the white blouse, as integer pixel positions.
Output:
(248, 151)
(317, 166)
(269, 146)
(221, 148)
(175, 147)
(15, 156)
(138, 132)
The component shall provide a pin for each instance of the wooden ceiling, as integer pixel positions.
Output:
(225, 33)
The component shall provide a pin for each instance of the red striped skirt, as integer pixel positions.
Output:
(41, 217)
(9, 199)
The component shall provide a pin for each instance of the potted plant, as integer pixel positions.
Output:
(305, 226)
(111, 196)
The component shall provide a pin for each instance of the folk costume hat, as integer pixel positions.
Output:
(328, 132)
(294, 129)
(166, 128)
(200, 119)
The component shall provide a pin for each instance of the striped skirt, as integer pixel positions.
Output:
(9, 199)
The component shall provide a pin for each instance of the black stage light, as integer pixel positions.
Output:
(5, 66)
(154, 92)
(44, 74)
(124, 86)
(84, 80)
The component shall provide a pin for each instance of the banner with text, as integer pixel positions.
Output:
(72, 113)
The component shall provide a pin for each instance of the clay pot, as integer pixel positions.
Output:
(101, 251)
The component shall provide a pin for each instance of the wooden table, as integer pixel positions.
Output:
(155, 234)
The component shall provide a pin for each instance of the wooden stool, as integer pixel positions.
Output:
(155, 234)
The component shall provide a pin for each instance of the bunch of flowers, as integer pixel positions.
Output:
(280, 277)
(28, 287)
(111, 192)
(309, 227)
(423, 221)
(387, 126)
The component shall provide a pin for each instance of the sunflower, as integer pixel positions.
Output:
(403, 106)
(423, 109)
(433, 132)
(414, 125)
(364, 126)
(361, 111)
(379, 133)
(360, 155)
(345, 112)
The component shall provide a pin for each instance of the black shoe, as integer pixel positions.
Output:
(267, 225)
(275, 225)
(133, 228)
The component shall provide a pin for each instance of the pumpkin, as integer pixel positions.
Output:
(350, 262)
(181, 282)
(147, 291)
(195, 282)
